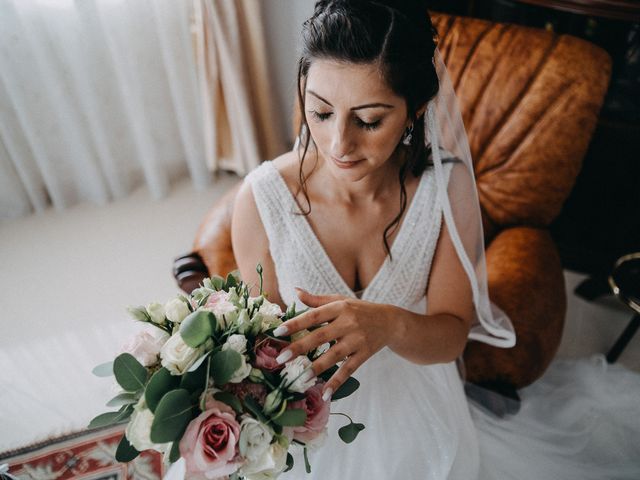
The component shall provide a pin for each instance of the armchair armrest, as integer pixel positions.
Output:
(525, 280)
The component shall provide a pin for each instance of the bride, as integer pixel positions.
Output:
(373, 221)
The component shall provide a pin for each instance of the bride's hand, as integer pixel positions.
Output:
(359, 328)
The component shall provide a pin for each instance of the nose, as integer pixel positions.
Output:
(342, 142)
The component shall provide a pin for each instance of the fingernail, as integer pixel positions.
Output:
(280, 331)
(300, 290)
(327, 394)
(284, 356)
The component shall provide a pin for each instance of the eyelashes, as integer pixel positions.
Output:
(322, 116)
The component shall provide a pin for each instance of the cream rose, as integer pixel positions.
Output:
(177, 356)
(176, 310)
(270, 464)
(156, 312)
(138, 429)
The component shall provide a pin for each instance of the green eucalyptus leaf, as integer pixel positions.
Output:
(348, 433)
(161, 382)
(124, 398)
(291, 418)
(195, 380)
(229, 399)
(195, 329)
(289, 462)
(346, 389)
(172, 416)
(231, 282)
(103, 370)
(223, 365)
(217, 282)
(130, 374)
(125, 451)
(307, 465)
(254, 407)
(111, 418)
(174, 454)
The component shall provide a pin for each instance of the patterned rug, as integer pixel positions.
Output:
(85, 456)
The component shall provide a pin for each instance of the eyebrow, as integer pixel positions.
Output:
(359, 107)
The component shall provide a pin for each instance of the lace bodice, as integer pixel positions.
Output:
(301, 260)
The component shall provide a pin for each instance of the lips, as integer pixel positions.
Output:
(348, 164)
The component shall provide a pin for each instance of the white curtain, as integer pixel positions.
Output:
(99, 96)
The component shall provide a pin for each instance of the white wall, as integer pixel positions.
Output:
(283, 23)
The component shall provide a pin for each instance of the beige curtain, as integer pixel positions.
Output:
(234, 85)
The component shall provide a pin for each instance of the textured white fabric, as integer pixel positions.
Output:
(301, 261)
(440, 421)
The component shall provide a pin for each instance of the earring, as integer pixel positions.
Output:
(408, 133)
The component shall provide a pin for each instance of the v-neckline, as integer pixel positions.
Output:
(321, 253)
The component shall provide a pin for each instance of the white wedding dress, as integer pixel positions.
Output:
(581, 421)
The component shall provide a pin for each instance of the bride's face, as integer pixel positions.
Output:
(355, 119)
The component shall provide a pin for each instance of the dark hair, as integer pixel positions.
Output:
(400, 38)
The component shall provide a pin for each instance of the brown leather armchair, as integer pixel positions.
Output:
(530, 101)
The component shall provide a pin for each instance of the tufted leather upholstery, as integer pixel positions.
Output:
(530, 101)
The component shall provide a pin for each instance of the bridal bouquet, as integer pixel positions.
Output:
(204, 385)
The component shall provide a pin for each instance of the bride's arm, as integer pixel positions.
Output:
(440, 335)
(251, 245)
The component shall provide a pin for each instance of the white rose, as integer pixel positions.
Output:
(270, 464)
(298, 374)
(271, 313)
(138, 429)
(156, 312)
(321, 349)
(146, 346)
(236, 342)
(255, 438)
(176, 310)
(177, 356)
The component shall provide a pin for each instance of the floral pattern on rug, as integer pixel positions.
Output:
(88, 456)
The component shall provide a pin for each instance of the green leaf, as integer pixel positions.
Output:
(289, 462)
(223, 365)
(174, 454)
(172, 416)
(124, 398)
(139, 313)
(348, 433)
(254, 407)
(217, 282)
(291, 418)
(195, 380)
(161, 382)
(231, 282)
(130, 374)
(125, 451)
(307, 465)
(229, 399)
(195, 329)
(111, 418)
(103, 370)
(346, 389)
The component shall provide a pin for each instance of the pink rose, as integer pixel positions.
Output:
(317, 414)
(209, 445)
(266, 350)
(145, 347)
(219, 304)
